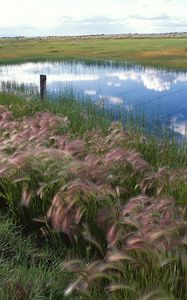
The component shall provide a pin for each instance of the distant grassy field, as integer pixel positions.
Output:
(158, 52)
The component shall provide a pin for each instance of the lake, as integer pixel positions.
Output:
(157, 92)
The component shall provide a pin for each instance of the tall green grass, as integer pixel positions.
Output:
(83, 116)
(28, 271)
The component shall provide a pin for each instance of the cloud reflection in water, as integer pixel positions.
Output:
(160, 91)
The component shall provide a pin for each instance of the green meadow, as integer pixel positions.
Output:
(162, 52)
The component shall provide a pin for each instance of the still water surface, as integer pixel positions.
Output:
(159, 92)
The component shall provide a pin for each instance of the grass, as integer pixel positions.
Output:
(82, 116)
(27, 271)
(157, 52)
(111, 202)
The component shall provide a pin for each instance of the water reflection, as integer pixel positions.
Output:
(158, 92)
(90, 92)
(179, 125)
(158, 81)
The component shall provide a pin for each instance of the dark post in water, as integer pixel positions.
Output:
(43, 79)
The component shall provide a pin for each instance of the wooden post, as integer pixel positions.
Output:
(43, 79)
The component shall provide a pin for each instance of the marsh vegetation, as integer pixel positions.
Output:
(165, 52)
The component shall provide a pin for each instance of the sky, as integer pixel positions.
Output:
(80, 17)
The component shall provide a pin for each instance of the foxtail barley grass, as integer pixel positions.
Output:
(115, 198)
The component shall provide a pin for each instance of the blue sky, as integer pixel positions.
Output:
(78, 17)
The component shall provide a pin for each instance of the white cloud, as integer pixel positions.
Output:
(178, 126)
(29, 74)
(156, 82)
(90, 92)
(44, 17)
(113, 100)
(152, 79)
